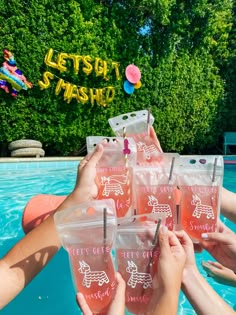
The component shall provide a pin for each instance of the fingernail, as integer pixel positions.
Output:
(204, 236)
(164, 229)
(98, 146)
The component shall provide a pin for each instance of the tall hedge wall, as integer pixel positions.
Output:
(183, 49)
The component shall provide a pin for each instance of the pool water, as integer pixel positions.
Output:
(52, 292)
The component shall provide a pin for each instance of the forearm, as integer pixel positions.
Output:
(77, 196)
(167, 304)
(29, 256)
(9, 287)
(165, 299)
(228, 279)
(26, 259)
(228, 204)
(202, 296)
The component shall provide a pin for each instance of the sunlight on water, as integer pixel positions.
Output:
(51, 292)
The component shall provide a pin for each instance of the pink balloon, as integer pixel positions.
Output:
(132, 73)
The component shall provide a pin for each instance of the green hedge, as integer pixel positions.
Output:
(183, 48)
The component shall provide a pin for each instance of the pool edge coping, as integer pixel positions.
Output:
(41, 159)
(228, 159)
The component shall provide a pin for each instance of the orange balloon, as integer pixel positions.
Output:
(138, 85)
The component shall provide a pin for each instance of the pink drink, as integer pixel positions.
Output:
(156, 199)
(199, 209)
(138, 268)
(115, 183)
(147, 150)
(94, 275)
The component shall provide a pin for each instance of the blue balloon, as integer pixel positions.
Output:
(128, 87)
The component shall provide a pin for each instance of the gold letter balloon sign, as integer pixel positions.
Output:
(87, 65)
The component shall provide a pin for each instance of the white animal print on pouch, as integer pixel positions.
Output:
(159, 208)
(138, 277)
(147, 149)
(113, 184)
(92, 276)
(201, 208)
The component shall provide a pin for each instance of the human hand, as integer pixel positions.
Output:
(199, 293)
(221, 245)
(187, 244)
(85, 187)
(169, 275)
(219, 273)
(171, 261)
(117, 306)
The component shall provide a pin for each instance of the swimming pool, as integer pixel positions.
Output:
(52, 292)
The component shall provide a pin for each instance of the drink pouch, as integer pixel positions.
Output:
(134, 122)
(87, 233)
(137, 254)
(136, 125)
(114, 171)
(117, 150)
(154, 188)
(199, 180)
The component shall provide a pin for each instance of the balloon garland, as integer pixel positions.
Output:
(87, 65)
(11, 78)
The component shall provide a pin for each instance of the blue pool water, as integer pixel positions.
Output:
(52, 292)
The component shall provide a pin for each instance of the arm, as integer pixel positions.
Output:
(228, 204)
(170, 268)
(219, 273)
(200, 294)
(221, 245)
(26, 259)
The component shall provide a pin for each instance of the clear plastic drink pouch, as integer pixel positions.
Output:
(136, 125)
(199, 180)
(137, 254)
(134, 122)
(114, 171)
(87, 232)
(118, 151)
(154, 188)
